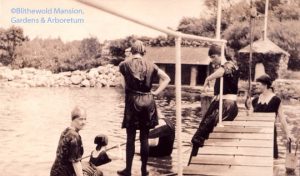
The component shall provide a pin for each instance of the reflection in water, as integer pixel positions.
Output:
(32, 120)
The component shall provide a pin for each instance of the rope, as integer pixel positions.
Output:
(252, 27)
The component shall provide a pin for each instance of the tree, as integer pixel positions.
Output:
(9, 40)
(286, 35)
(287, 12)
(90, 48)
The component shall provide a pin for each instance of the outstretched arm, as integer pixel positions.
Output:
(77, 168)
(217, 74)
(163, 84)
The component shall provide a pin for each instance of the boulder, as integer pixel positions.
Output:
(9, 76)
(67, 74)
(76, 79)
(98, 84)
(103, 82)
(77, 72)
(17, 74)
(85, 83)
(92, 74)
(92, 82)
(103, 70)
(28, 71)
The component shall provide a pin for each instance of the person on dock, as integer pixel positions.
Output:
(267, 101)
(230, 73)
(140, 108)
(70, 149)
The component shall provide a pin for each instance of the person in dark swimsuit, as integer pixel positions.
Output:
(267, 101)
(230, 73)
(69, 151)
(140, 108)
(162, 139)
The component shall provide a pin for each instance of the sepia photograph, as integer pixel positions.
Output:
(149, 87)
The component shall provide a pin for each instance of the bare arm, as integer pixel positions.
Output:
(217, 74)
(77, 168)
(163, 84)
(122, 80)
(283, 122)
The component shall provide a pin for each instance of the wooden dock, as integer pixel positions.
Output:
(242, 147)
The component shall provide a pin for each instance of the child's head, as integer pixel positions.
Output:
(101, 140)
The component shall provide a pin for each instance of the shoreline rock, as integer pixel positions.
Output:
(109, 76)
(102, 76)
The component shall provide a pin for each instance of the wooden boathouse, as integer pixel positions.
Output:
(194, 62)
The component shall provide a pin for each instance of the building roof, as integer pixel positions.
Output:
(264, 46)
(189, 55)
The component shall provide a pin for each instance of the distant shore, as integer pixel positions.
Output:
(102, 76)
(109, 76)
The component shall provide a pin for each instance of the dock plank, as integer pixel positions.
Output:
(241, 151)
(257, 136)
(233, 160)
(242, 129)
(228, 171)
(256, 114)
(240, 147)
(263, 119)
(249, 123)
(238, 143)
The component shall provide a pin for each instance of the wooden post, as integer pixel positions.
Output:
(218, 36)
(178, 103)
(266, 19)
(218, 29)
(220, 124)
(194, 73)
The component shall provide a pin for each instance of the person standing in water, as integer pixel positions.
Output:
(140, 109)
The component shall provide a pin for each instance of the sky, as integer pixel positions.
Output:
(104, 26)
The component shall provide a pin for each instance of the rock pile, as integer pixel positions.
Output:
(102, 76)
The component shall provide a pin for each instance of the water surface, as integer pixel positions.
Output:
(32, 120)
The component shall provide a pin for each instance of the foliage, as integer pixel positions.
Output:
(90, 48)
(286, 35)
(287, 12)
(9, 40)
(270, 61)
(283, 24)
(260, 5)
(238, 35)
(57, 56)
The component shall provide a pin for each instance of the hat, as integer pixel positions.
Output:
(214, 49)
(138, 48)
(101, 140)
(265, 79)
(77, 112)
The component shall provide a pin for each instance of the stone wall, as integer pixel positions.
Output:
(102, 76)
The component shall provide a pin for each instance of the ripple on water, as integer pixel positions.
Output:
(32, 120)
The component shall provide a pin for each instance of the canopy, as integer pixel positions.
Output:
(264, 46)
